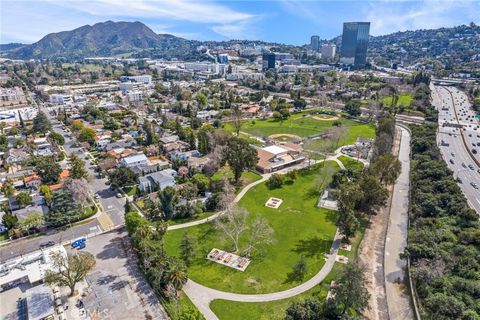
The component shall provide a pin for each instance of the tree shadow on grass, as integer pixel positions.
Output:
(313, 247)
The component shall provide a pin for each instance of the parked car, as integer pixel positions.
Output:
(47, 244)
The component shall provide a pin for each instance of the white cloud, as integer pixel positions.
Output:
(182, 10)
(392, 16)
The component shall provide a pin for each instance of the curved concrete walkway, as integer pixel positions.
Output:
(201, 295)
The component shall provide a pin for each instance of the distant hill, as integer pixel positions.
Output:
(102, 39)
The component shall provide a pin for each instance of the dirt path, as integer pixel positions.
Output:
(371, 255)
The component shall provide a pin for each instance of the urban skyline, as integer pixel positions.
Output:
(259, 20)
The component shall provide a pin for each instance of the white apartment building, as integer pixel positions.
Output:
(135, 95)
(328, 50)
(145, 79)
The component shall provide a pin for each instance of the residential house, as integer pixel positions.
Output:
(177, 146)
(157, 181)
(32, 182)
(17, 156)
(185, 155)
(134, 160)
(198, 163)
(277, 157)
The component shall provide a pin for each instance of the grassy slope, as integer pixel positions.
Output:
(300, 229)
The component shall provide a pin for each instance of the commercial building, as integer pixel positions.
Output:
(328, 50)
(268, 61)
(145, 79)
(134, 96)
(315, 43)
(60, 99)
(30, 268)
(355, 43)
(277, 157)
(223, 58)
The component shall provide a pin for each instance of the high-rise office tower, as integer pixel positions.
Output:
(315, 43)
(355, 43)
(268, 60)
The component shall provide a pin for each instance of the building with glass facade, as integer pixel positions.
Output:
(355, 43)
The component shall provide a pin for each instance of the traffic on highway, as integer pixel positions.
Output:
(459, 139)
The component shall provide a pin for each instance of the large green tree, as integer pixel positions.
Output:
(350, 293)
(123, 176)
(77, 167)
(41, 124)
(70, 270)
(240, 156)
(48, 170)
(187, 249)
(387, 168)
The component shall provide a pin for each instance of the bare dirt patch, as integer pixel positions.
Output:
(285, 135)
(325, 118)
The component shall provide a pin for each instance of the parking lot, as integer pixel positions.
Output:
(116, 288)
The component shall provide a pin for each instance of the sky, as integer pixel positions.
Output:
(284, 21)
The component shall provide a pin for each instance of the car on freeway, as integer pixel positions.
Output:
(47, 244)
(459, 180)
(453, 154)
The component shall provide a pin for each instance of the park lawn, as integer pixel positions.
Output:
(246, 178)
(298, 124)
(275, 310)
(403, 99)
(300, 229)
(350, 163)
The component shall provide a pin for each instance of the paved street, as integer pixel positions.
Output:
(398, 299)
(111, 213)
(454, 108)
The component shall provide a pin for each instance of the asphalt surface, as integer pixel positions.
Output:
(454, 109)
(112, 206)
(398, 299)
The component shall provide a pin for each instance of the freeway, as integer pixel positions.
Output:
(110, 215)
(456, 119)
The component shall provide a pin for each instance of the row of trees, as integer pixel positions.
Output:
(444, 236)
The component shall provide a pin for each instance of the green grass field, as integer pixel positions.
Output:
(303, 126)
(350, 163)
(403, 99)
(275, 310)
(301, 229)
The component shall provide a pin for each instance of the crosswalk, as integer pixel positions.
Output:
(105, 222)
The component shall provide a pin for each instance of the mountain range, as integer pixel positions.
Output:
(134, 39)
(102, 39)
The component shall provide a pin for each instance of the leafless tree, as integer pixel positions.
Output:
(79, 190)
(232, 224)
(260, 233)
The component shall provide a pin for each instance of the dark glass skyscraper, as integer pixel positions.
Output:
(355, 43)
(268, 61)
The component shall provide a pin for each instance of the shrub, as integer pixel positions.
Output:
(275, 181)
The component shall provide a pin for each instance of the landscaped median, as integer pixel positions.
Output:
(300, 230)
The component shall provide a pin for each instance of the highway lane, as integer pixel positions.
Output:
(451, 144)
